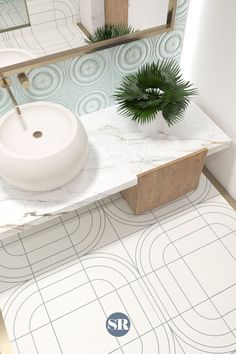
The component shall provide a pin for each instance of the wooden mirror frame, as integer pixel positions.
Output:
(91, 48)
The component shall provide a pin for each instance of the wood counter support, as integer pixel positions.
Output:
(166, 183)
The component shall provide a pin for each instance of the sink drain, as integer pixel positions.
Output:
(37, 134)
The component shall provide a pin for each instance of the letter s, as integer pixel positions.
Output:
(112, 324)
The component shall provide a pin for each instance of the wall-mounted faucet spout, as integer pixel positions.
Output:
(5, 84)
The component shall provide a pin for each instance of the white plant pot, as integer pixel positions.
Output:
(158, 125)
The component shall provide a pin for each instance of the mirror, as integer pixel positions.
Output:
(65, 29)
(13, 15)
(137, 13)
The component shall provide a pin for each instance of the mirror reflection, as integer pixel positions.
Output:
(118, 18)
(58, 26)
(139, 14)
(13, 14)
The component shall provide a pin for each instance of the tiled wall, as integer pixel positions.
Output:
(48, 11)
(86, 84)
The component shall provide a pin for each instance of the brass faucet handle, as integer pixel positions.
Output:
(4, 82)
(22, 77)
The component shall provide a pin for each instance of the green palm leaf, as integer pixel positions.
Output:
(110, 30)
(155, 87)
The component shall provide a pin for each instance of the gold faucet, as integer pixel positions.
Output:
(24, 80)
(5, 83)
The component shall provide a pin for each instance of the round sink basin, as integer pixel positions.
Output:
(11, 56)
(43, 149)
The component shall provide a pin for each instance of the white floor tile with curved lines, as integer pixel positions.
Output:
(171, 271)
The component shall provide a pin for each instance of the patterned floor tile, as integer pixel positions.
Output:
(172, 210)
(204, 192)
(89, 231)
(14, 266)
(48, 248)
(171, 271)
(123, 219)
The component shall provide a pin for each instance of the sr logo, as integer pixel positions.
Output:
(118, 324)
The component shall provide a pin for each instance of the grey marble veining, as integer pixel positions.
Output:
(119, 151)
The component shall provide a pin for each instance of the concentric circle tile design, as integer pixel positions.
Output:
(87, 70)
(129, 57)
(45, 82)
(5, 102)
(92, 101)
(100, 71)
(182, 10)
(169, 45)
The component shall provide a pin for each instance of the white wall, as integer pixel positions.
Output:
(147, 14)
(92, 14)
(85, 7)
(142, 14)
(209, 61)
(98, 13)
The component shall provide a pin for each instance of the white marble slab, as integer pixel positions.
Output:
(119, 150)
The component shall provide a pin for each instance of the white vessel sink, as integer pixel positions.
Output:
(10, 56)
(43, 149)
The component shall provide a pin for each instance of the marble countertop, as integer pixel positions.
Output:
(119, 151)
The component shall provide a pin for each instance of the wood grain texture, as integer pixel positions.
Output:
(166, 183)
(116, 11)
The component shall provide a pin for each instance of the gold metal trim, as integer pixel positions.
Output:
(172, 7)
(15, 28)
(75, 52)
(220, 188)
(22, 77)
(5, 81)
(5, 346)
(83, 29)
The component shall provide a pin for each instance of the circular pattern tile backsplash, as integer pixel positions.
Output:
(98, 73)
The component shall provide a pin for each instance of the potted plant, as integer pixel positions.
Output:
(110, 30)
(156, 92)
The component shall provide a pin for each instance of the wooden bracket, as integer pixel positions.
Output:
(166, 183)
(4, 82)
